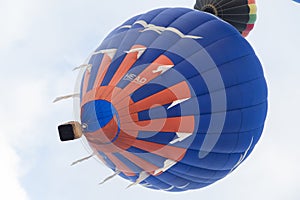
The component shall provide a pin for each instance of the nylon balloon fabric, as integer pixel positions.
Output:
(173, 99)
(239, 13)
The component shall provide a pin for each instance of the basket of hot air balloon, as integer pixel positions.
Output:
(173, 99)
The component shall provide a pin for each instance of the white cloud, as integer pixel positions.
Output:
(10, 172)
(21, 107)
(15, 18)
(19, 102)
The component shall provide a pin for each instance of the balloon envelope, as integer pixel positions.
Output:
(173, 99)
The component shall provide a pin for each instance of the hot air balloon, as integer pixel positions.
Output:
(173, 99)
(239, 13)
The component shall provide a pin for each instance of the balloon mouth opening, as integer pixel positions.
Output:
(210, 9)
(100, 115)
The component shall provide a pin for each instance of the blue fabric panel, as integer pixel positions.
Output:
(168, 16)
(175, 180)
(146, 90)
(146, 38)
(241, 70)
(112, 42)
(219, 31)
(128, 41)
(128, 163)
(249, 94)
(253, 117)
(160, 137)
(234, 43)
(97, 114)
(237, 142)
(157, 183)
(109, 163)
(234, 142)
(213, 161)
(195, 179)
(118, 30)
(198, 172)
(88, 115)
(130, 178)
(149, 157)
(149, 16)
(81, 85)
(187, 23)
(162, 43)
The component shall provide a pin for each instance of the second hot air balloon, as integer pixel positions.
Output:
(239, 13)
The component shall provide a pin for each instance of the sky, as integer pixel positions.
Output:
(42, 41)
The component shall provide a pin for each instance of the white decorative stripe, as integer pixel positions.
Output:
(152, 29)
(110, 177)
(110, 52)
(243, 155)
(83, 66)
(160, 29)
(167, 165)
(170, 188)
(181, 137)
(139, 50)
(66, 97)
(174, 30)
(142, 22)
(146, 184)
(143, 175)
(182, 187)
(178, 102)
(83, 159)
(179, 187)
(125, 26)
(162, 69)
(192, 37)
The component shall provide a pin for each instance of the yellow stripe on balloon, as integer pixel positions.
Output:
(253, 9)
